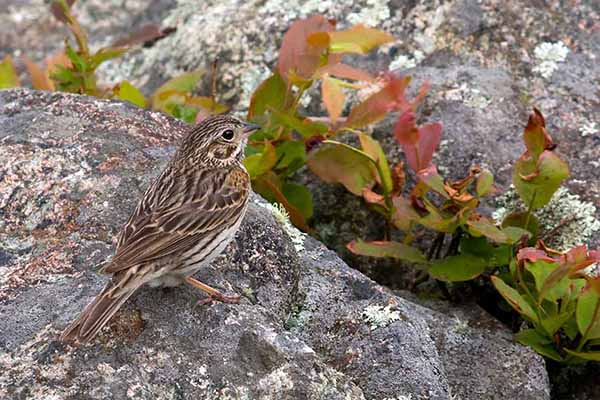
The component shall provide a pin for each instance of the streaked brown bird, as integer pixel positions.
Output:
(184, 220)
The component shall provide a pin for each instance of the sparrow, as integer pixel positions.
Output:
(185, 219)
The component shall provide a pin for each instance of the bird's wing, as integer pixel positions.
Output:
(175, 215)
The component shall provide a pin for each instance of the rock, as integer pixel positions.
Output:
(464, 337)
(308, 326)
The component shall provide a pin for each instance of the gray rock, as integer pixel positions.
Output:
(308, 326)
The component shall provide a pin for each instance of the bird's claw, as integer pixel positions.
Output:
(223, 298)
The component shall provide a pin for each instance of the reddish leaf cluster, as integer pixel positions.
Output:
(539, 171)
(418, 144)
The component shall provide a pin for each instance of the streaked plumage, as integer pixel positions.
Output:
(184, 220)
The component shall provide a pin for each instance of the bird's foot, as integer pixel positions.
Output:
(213, 294)
(223, 298)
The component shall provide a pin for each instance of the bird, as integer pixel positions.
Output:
(185, 218)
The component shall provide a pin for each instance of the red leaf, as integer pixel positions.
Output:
(535, 136)
(145, 35)
(418, 144)
(579, 258)
(373, 197)
(376, 106)
(429, 138)
(532, 254)
(333, 98)
(39, 78)
(58, 11)
(296, 55)
(345, 71)
(406, 131)
(420, 95)
(271, 182)
(398, 177)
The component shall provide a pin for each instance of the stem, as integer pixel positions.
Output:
(437, 243)
(530, 210)
(445, 292)
(589, 328)
(453, 246)
(526, 290)
(561, 224)
(213, 85)
(301, 90)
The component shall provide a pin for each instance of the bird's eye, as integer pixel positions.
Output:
(227, 135)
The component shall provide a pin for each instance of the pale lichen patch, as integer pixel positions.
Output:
(283, 218)
(378, 317)
(548, 56)
(573, 220)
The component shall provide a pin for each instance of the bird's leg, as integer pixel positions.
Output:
(212, 292)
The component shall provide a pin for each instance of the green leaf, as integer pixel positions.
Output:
(300, 197)
(487, 228)
(126, 91)
(373, 148)
(587, 355)
(540, 343)
(404, 214)
(570, 328)
(359, 39)
(552, 323)
(304, 127)
(515, 234)
(462, 267)
(270, 94)
(480, 247)
(484, 183)
(8, 75)
(438, 220)
(291, 155)
(536, 182)
(430, 177)
(258, 164)
(186, 113)
(540, 270)
(514, 299)
(339, 163)
(519, 220)
(104, 54)
(77, 61)
(397, 250)
(587, 314)
(62, 74)
(530, 336)
(206, 103)
(181, 84)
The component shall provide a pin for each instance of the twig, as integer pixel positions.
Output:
(560, 225)
(213, 85)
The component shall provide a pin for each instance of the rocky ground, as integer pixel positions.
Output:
(308, 326)
(488, 61)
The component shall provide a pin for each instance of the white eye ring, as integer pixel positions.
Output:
(228, 135)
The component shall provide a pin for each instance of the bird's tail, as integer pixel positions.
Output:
(97, 313)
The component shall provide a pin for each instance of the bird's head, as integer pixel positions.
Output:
(218, 140)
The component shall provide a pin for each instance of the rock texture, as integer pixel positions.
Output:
(308, 326)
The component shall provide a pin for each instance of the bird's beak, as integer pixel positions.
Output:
(250, 128)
